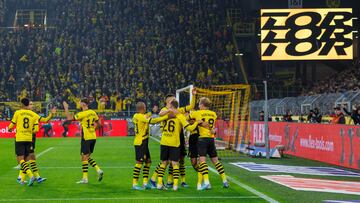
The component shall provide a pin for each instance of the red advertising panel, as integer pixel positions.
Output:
(71, 129)
(334, 144)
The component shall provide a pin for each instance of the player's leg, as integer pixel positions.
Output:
(174, 157)
(32, 161)
(22, 152)
(93, 163)
(139, 157)
(182, 160)
(164, 156)
(214, 159)
(147, 165)
(203, 167)
(193, 154)
(154, 176)
(170, 177)
(85, 154)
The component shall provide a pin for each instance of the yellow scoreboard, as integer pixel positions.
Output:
(306, 34)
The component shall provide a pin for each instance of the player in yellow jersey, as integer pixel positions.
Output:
(165, 110)
(141, 143)
(32, 157)
(170, 144)
(26, 124)
(89, 121)
(206, 143)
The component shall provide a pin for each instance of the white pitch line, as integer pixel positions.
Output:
(131, 198)
(38, 155)
(246, 187)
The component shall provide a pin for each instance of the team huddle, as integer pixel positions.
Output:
(174, 120)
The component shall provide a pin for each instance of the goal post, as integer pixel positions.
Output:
(231, 103)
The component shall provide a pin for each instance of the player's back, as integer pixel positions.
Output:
(25, 121)
(171, 130)
(141, 128)
(206, 116)
(87, 120)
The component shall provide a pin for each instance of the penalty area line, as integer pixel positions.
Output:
(244, 186)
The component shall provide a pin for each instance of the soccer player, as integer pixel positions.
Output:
(32, 157)
(170, 144)
(89, 121)
(26, 125)
(206, 143)
(141, 143)
(165, 110)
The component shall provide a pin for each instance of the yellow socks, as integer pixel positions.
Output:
(136, 173)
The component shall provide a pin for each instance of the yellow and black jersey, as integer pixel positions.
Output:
(207, 116)
(141, 126)
(27, 123)
(87, 120)
(171, 130)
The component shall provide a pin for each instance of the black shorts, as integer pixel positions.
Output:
(32, 150)
(23, 148)
(193, 152)
(142, 152)
(182, 144)
(206, 146)
(87, 146)
(168, 153)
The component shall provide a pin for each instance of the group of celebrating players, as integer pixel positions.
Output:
(174, 120)
(27, 125)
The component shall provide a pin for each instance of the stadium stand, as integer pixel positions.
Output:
(103, 50)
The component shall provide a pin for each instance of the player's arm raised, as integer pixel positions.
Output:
(192, 104)
(47, 119)
(69, 116)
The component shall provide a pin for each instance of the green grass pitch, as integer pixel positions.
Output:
(60, 163)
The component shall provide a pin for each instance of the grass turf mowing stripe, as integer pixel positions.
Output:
(38, 155)
(246, 187)
(132, 198)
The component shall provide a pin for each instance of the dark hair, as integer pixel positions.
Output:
(85, 100)
(169, 95)
(25, 101)
(175, 104)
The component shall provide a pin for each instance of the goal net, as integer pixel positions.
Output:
(231, 104)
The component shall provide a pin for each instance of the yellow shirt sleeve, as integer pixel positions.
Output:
(186, 125)
(189, 107)
(46, 119)
(79, 116)
(13, 121)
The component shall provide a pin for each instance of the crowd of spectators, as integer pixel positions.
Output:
(117, 52)
(343, 81)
